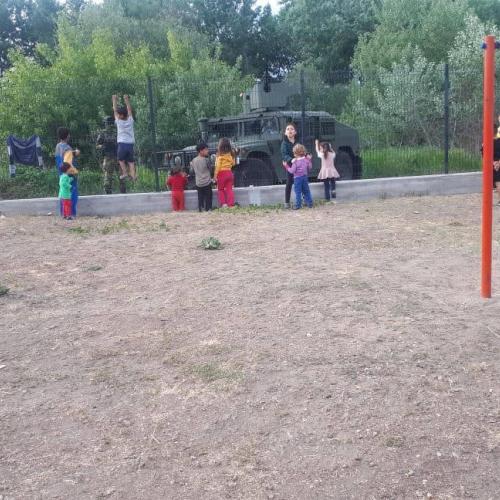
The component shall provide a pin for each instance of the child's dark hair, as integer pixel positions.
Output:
(62, 133)
(65, 167)
(326, 148)
(224, 146)
(201, 146)
(122, 110)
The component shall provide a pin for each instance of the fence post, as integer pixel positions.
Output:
(446, 117)
(303, 106)
(488, 151)
(152, 127)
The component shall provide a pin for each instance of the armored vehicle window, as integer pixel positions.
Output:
(218, 130)
(252, 128)
(327, 128)
(270, 126)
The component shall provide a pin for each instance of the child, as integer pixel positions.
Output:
(125, 137)
(65, 153)
(177, 181)
(301, 166)
(328, 172)
(224, 163)
(65, 191)
(201, 168)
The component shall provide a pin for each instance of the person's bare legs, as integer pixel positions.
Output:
(123, 169)
(133, 173)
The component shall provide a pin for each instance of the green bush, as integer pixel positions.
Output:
(400, 162)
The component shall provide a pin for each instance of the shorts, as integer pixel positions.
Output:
(125, 152)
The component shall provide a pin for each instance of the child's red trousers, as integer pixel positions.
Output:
(225, 181)
(177, 200)
(66, 207)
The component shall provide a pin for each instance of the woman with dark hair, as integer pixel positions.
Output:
(289, 141)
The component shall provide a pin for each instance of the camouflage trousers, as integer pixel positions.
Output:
(110, 167)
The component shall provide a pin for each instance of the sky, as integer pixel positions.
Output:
(273, 3)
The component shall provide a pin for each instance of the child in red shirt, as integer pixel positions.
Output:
(177, 182)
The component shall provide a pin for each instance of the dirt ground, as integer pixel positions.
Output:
(339, 352)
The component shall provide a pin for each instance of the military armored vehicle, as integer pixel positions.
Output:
(258, 131)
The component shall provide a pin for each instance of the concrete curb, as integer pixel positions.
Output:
(141, 203)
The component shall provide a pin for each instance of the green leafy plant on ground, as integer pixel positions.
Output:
(3, 290)
(211, 243)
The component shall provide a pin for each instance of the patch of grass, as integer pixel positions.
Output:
(3, 290)
(79, 230)
(211, 243)
(210, 372)
(32, 182)
(250, 209)
(161, 226)
(122, 225)
(394, 442)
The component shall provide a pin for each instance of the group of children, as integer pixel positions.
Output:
(223, 176)
(66, 156)
(298, 167)
(295, 160)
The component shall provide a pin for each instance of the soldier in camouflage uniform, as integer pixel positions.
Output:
(106, 143)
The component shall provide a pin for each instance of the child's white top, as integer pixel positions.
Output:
(328, 169)
(125, 131)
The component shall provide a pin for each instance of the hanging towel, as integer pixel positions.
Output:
(24, 152)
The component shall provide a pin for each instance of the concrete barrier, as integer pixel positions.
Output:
(366, 189)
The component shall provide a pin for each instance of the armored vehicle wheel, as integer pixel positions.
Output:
(253, 172)
(344, 165)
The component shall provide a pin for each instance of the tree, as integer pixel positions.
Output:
(488, 11)
(23, 24)
(325, 32)
(402, 25)
(242, 31)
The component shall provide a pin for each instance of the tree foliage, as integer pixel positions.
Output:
(325, 32)
(24, 24)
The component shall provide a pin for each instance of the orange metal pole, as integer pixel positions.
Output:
(488, 122)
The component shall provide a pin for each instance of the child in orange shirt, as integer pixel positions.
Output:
(224, 163)
(177, 182)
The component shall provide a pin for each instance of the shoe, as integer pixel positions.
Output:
(296, 208)
(334, 194)
(286, 205)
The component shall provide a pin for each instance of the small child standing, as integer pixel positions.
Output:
(65, 191)
(224, 163)
(125, 137)
(200, 165)
(177, 182)
(301, 166)
(328, 173)
(66, 154)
